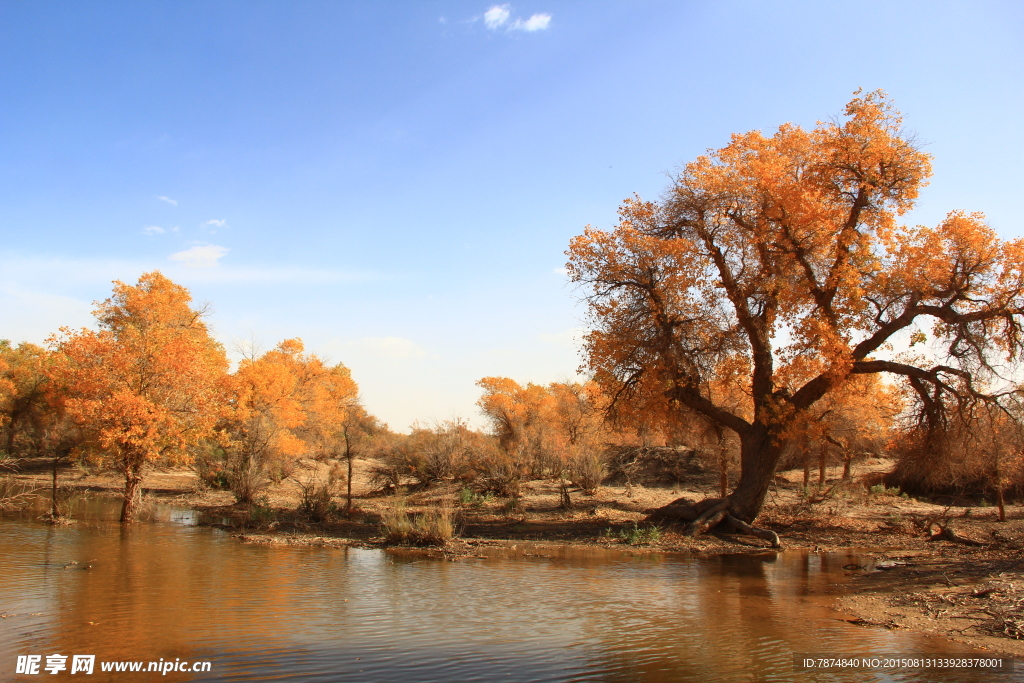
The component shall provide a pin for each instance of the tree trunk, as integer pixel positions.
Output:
(760, 453)
(348, 484)
(759, 456)
(132, 493)
(54, 510)
(723, 480)
(822, 456)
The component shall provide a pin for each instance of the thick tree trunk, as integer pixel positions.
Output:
(132, 493)
(759, 456)
(723, 479)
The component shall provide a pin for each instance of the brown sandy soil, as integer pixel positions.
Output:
(971, 593)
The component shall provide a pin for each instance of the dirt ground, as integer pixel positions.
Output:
(967, 585)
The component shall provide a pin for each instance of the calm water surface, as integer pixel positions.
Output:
(167, 589)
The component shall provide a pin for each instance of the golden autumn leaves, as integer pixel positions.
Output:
(151, 385)
(773, 271)
(756, 302)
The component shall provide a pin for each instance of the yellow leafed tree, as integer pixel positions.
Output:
(147, 385)
(782, 256)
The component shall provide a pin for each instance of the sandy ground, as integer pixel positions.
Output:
(967, 592)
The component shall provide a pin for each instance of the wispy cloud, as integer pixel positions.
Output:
(201, 256)
(496, 16)
(536, 22)
(501, 15)
(153, 230)
(560, 271)
(173, 202)
(219, 222)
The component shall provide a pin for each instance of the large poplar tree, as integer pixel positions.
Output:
(777, 265)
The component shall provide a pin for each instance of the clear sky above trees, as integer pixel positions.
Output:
(395, 183)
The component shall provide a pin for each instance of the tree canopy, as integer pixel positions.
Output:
(777, 266)
(147, 385)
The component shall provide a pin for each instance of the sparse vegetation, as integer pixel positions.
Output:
(636, 534)
(432, 527)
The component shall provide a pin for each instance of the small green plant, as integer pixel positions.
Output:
(468, 496)
(880, 490)
(635, 535)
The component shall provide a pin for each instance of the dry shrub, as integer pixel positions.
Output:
(587, 471)
(974, 456)
(655, 465)
(433, 527)
(15, 494)
(448, 450)
(318, 491)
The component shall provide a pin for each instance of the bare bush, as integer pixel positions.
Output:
(431, 527)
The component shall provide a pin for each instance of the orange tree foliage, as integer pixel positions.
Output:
(284, 405)
(780, 260)
(146, 385)
(30, 418)
(552, 430)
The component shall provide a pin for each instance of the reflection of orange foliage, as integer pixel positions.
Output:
(146, 385)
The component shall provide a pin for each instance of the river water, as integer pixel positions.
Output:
(169, 590)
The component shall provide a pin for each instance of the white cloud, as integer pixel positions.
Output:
(168, 200)
(153, 230)
(219, 222)
(537, 22)
(204, 256)
(560, 271)
(496, 16)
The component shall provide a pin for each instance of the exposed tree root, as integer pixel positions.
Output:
(766, 534)
(946, 533)
(709, 518)
(705, 515)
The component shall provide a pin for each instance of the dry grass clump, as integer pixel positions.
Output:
(433, 527)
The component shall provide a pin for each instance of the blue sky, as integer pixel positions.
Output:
(396, 182)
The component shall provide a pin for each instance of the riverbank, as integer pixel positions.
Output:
(965, 584)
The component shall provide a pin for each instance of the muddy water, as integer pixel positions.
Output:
(166, 589)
